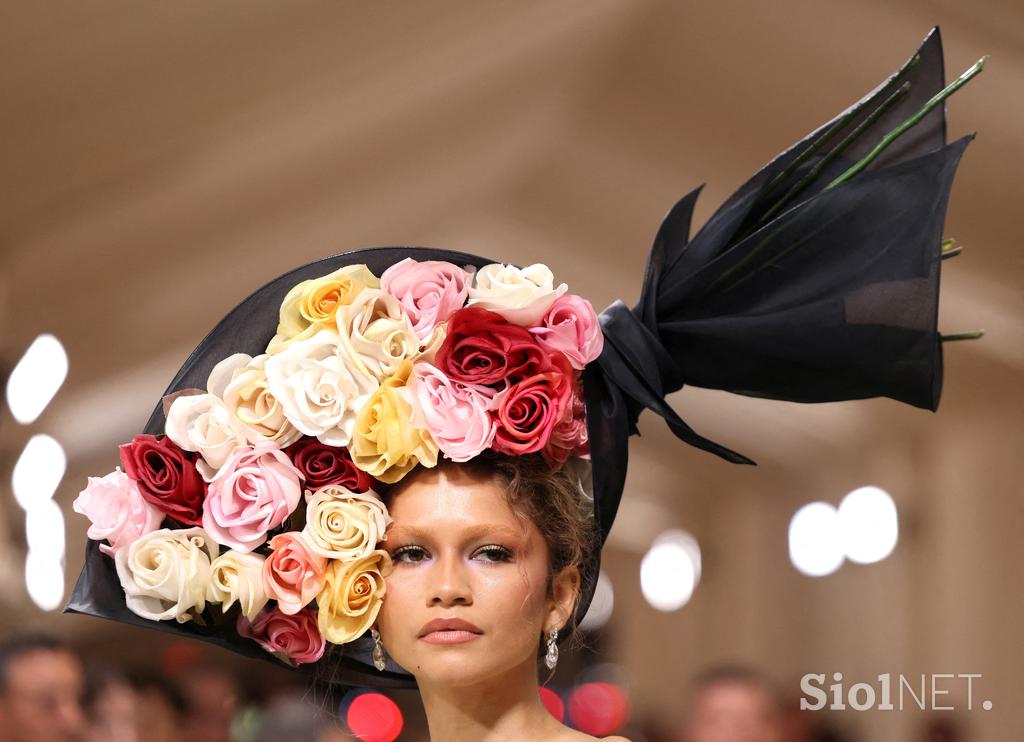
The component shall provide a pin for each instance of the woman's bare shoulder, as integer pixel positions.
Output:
(614, 739)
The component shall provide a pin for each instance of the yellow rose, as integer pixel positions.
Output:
(385, 443)
(342, 524)
(237, 576)
(350, 599)
(310, 306)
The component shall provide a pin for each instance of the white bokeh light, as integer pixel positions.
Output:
(44, 530)
(38, 471)
(44, 577)
(601, 605)
(815, 544)
(869, 525)
(36, 378)
(670, 570)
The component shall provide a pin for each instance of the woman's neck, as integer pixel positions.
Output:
(504, 707)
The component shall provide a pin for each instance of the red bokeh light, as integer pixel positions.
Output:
(598, 708)
(553, 703)
(373, 717)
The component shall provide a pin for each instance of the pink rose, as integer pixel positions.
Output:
(293, 574)
(456, 414)
(429, 291)
(255, 490)
(297, 638)
(571, 327)
(117, 509)
(527, 412)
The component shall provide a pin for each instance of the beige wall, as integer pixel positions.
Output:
(162, 160)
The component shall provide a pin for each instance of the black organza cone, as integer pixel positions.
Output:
(832, 296)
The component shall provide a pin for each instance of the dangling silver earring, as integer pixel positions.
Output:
(379, 660)
(551, 658)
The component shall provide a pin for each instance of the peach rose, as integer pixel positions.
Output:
(293, 574)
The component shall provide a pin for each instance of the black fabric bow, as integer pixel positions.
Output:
(832, 297)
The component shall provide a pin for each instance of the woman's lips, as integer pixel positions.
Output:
(449, 636)
(449, 631)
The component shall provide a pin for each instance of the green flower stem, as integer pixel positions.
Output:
(910, 122)
(868, 121)
(838, 126)
(962, 336)
(952, 252)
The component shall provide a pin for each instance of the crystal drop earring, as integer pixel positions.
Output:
(379, 660)
(551, 658)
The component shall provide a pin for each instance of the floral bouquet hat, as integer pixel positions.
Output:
(246, 513)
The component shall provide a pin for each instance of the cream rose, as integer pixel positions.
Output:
(320, 390)
(203, 423)
(376, 334)
(165, 573)
(237, 576)
(351, 597)
(241, 381)
(520, 295)
(311, 305)
(342, 524)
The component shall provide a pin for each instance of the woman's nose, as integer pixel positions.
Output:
(450, 583)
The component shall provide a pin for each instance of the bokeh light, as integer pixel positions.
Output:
(44, 578)
(815, 541)
(553, 703)
(598, 708)
(36, 378)
(869, 525)
(670, 570)
(374, 717)
(38, 471)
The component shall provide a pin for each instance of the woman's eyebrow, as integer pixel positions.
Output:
(468, 533)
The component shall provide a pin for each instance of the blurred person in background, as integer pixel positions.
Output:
(733, 704)
(290, 718)
(110, 707)
(160, 709)
(41, 688)
(211, 701)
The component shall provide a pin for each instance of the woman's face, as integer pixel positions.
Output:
(461, 555)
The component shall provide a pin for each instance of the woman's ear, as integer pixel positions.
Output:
(565, 590)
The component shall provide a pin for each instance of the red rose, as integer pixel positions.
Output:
(481, 347)
(166, 476)
(323, 464)
(569, 435)
(528, 411)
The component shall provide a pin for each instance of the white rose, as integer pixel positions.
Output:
(165, 573)
(203, 423)
(319, 390)
(241, 381)
(237, 576)
(520, 295)
(376, 333)
(342, 524)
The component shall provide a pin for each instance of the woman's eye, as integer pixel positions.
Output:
(494, 553)
(408, 554)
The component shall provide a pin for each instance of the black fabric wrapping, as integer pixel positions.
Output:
(833, 298)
